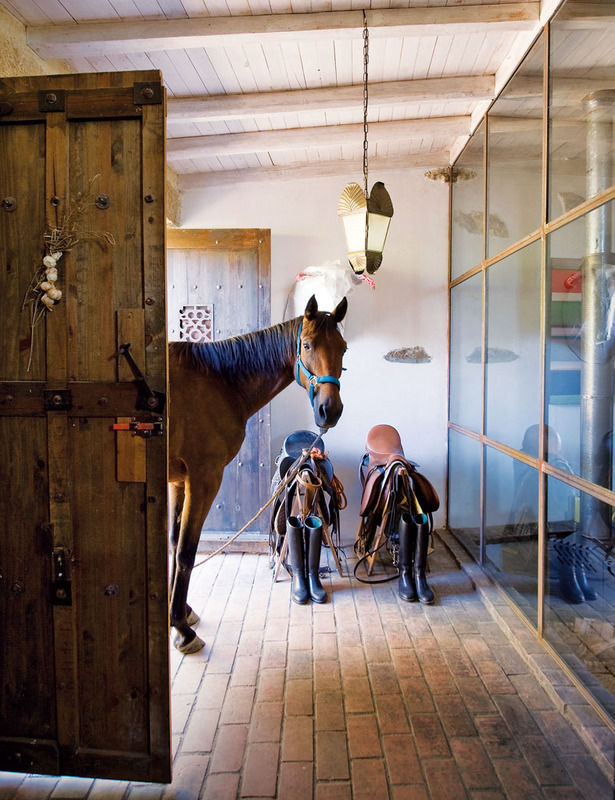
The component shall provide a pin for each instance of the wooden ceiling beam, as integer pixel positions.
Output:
(216, 108)
(344, 168)
(313, 137)
(104, 38)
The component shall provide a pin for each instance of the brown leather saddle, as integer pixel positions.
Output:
(391, 484)
(313, 490)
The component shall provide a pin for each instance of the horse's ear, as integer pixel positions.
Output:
(339, 312)
(312, 308)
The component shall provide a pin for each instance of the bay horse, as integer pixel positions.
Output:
(214, 388)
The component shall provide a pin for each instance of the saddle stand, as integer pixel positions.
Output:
(313, 491)
(391, 486)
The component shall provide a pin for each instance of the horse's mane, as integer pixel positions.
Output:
(264, 352)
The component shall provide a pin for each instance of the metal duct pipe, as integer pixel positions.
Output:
(598, 333)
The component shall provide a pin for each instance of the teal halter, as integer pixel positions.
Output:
(314, 380)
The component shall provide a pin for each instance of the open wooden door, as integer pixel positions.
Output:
(84, 653)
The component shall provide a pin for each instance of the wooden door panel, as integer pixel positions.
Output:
(21, 179)
(25, 563)
(106, 149)
(229, 271)
(112, 658)
(94, 541)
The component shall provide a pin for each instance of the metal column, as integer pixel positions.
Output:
(598, 332)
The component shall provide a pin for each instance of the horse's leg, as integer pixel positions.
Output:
(176, 503)
(195, 509)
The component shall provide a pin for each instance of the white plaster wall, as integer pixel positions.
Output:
(407, 308)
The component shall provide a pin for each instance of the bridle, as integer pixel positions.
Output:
(314, 380)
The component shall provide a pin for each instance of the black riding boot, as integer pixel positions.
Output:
(423, 591)
(313, 545)
(299, 591)
(569, 587)
(589, 593)
(407, 536)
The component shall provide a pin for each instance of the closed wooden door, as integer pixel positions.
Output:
(219, 286)
(84, 648)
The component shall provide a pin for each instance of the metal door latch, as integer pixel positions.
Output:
(145, 429)
(147, 399)
(61, 594)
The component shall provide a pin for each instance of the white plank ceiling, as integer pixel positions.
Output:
(263, 89)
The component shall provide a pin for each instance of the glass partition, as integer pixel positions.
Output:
(464, 490)
(580, 588)
(513, 346)
(466, 377)
(548, 395)
(511, 528)
(514, 156)
(467, 236)
(581, 345)
(581, 112)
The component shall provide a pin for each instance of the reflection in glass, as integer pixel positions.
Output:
(468, 200)
(580, 590)
(465, 354)
(581, 352)
(581, 112)
(511, 529)
(464, 490)
(514, 156)
(577, 315)
(513, 346)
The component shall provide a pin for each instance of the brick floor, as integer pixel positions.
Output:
(364, 697)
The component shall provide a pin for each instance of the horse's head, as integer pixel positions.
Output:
(320, 348)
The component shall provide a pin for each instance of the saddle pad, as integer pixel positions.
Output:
(425, 492)
(377, 483)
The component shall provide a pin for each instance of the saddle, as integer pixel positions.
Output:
(313, 490)
(391, 485)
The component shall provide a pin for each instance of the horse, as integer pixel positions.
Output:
(214, 388)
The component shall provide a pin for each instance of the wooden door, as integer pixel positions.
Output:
(84, 648)
(219, 286)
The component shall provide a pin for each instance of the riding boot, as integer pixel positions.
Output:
(589, 593)
(313, 545)
(407, 538)
(423, 591)
(569, 588)
(299, 591)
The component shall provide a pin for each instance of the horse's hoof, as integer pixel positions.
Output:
(193, 619)
(193, 646)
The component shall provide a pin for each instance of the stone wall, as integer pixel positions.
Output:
(16, 58)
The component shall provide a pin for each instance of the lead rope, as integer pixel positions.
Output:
(290, 476)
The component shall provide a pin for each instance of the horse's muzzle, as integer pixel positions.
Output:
(328, 408)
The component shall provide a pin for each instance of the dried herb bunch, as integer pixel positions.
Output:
(42, 293)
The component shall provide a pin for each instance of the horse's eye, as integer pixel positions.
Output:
(307, 346)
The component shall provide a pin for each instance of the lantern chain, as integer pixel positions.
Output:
(365, 98)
